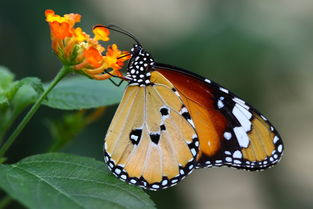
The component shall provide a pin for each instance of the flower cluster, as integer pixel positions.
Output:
(77, 49)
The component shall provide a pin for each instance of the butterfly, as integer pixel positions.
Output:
(171, 121)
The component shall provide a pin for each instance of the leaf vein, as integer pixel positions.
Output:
(95, 181)
(63, 162)
(51, 185)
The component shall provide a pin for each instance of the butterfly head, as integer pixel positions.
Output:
(141, 62)
(138, 70)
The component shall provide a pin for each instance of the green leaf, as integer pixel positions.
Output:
(33, 82)
(66, 181)
(83, 93)
(25, 96)
(6, 78)
(4, 102)
(15, 98)
(24, 93)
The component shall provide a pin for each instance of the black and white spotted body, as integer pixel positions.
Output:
(138, 68)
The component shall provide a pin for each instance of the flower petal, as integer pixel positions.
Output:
(115, 58)
(93, 57)
(101, 33)
(60, 30)
(80, 35)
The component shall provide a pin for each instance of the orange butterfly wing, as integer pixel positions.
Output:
(230, 131)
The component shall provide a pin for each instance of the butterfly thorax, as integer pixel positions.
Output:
(138, 70)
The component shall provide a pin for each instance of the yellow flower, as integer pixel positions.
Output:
(77, 49)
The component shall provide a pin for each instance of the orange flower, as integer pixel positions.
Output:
(115, 58)
(77, 49)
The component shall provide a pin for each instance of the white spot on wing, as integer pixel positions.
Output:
(117, 171)
(280, 148)
(207, 80)
(191, 122)
(183, 110)
(241, 102)
(224, 90)
(228, 159)
(164, 182)
(275, 139)
(244, 111)
(237, 154)
(227, 135)
(220, 104)
(264, 118)
(174, 181)
(196, 143)
(193, 151)
(242, 137)
(237, 161)
(227, 152)
(242, 116)
(134, 137)
(237, 100)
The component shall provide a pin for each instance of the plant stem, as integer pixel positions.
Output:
(61, 74)
(5, 201)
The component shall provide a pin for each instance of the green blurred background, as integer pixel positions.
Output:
(262, 50)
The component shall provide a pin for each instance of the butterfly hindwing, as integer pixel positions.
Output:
(144, 144)
(230, 131)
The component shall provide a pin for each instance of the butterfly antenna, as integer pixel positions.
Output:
(120, 30)
(124, 56)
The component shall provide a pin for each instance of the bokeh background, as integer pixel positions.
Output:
(262, 50)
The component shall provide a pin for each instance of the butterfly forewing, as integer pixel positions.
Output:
(149, 143)
(230, 131)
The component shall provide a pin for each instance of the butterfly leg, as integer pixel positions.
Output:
(116, 84)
